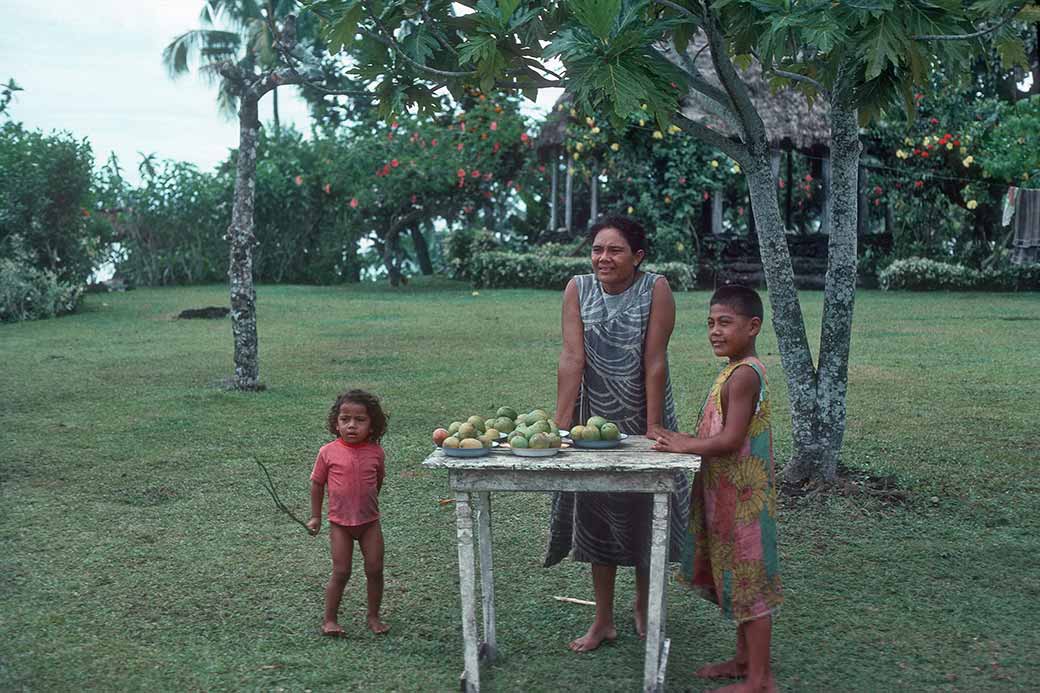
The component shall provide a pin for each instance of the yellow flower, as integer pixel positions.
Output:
(968, 160)
(576, 156)
(643, 106)
(963, 150)
(714, 163)
(901, 154)
(735, 169)
(760, 421)
(949, 146)
(972, 204)
(658, 134)
(672, 129)
(752, 481)
(908, 142)
(642, 122)
(595, 130)
(589, 121)
(615, 147)
(574, 114)
(679, 247)
(927, 140)
(749, 578)
(631, 209)
(579, 146)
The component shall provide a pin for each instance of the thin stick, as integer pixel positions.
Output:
(274, 496)
(572, 600)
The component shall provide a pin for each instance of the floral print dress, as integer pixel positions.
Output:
(730, 554)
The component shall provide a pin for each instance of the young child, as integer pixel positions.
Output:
(352, 466)
(731, 550)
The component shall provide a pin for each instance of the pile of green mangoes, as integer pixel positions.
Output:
(476, 431)
(596, 428)
(535, 430)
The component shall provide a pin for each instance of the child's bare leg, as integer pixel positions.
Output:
(602, 628)
(642, 597)
(735, 668)
(342, 556)
(759, 674)
(372, 548)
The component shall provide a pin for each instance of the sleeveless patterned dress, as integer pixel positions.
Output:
(614, 528)
(730, 554)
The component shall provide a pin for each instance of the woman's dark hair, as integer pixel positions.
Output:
(740, 298)
(371, 404)
(628, 227)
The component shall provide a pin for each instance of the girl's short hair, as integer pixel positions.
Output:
(371, 404)
(628, 227)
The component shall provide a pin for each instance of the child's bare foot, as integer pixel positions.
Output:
(731, 669)
(595, 636)
(377, 626)
(332, 629)
(768, 686)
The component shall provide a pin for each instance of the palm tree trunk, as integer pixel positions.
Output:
(241, 239)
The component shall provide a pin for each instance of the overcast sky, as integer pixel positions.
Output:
(95, 70)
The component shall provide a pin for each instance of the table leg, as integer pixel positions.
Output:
(487, 580)
(657, 607)
(464, 529)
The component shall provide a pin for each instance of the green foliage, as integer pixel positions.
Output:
(29, 292)
(1007, 147)
(171, 228)
(45, 200)
(7, 95)
(921, 274)
(500, 270)
(463, 245)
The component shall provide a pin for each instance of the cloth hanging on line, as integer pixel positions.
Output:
(1023, 205)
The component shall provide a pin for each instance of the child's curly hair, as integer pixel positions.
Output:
(371, 404)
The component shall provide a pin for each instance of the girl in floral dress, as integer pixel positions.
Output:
(731, 552)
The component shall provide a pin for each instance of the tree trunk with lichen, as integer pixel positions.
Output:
(241, 239)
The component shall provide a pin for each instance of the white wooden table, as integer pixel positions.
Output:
(633, 467)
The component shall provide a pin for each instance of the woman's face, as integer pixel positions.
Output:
(612, 258)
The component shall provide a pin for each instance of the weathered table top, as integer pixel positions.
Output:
(634, 454)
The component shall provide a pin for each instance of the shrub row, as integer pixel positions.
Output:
(502, 270)
(920, 274)
(28, 292)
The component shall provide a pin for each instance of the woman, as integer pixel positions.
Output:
(616, 326)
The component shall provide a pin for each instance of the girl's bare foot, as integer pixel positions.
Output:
(332, 629)
(594, 638)
(377, 626)
(731, 669)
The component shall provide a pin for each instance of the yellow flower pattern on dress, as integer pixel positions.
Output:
(752, 484)
(748, 580)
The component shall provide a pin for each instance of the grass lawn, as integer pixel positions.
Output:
(140, 550)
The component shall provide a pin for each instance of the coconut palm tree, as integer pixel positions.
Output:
(235, 31)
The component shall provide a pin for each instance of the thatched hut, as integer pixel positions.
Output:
(792, 125)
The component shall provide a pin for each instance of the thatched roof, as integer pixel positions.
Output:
(789, 120)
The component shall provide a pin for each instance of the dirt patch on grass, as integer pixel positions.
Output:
(849, 483)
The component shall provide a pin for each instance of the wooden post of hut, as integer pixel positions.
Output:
(593, 195)
(568, 206)
(716, 211)
(553, 216)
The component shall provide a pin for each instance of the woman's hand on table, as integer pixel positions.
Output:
(671, 441)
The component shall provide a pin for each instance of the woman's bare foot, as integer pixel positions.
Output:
(731, 669)
(377, 626)
(332, 629)
(594, 638)
(640, 619)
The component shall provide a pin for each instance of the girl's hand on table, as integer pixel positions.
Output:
(671, 441)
